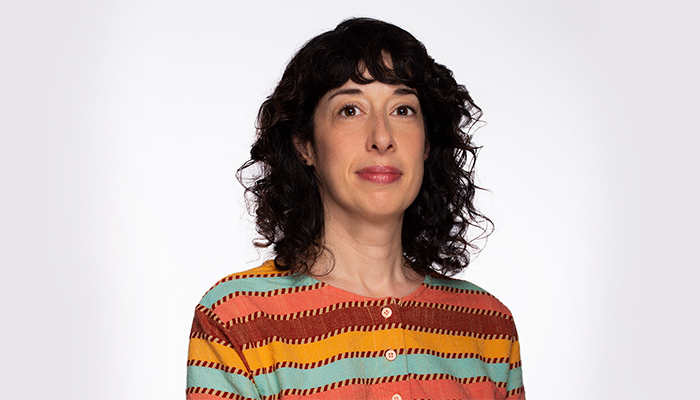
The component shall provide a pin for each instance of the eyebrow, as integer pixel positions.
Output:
(405, 91)
(399, 92)
(345, 91)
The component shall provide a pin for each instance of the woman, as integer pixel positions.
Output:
(362, 192)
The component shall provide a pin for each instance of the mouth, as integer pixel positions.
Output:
(380, 174)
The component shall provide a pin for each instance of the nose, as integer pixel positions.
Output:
(380, 139)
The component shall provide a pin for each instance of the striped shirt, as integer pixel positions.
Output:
(269, 334)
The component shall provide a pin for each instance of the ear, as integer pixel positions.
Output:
(427, 150)
(306, 150)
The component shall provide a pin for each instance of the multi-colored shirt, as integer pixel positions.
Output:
(270, 334)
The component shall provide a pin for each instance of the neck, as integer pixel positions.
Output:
(365, 258)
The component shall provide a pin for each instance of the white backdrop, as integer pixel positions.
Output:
(123, 123)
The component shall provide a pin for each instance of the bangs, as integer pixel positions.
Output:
(365, 54)
(383, 67)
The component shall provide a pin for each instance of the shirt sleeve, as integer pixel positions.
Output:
(515, 389)
(216, 368)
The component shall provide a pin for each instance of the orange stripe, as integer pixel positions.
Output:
(300, 301)
(437, 389)
(287, 303)
(440, 389)
(201, 396)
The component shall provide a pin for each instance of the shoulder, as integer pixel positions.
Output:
(265, 280)
(464, 293)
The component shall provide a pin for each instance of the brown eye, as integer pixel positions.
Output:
(349, 111)
(404, 111)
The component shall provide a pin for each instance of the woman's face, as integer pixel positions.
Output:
(368, 151)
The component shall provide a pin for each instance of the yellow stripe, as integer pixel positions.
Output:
(268, 267)
(268, 355)
(489, 348)
(515, 352)
(203, 350)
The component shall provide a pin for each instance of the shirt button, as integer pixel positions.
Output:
(396, 397)
(390, 355)
(386, 312)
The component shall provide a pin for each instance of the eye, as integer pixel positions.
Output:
(405, 111)
(349, 111)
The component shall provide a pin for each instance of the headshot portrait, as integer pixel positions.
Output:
(327, 200)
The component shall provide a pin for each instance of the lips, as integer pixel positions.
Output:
(379, 174)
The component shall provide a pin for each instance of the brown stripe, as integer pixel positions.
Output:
(515, 391)
(459, 309)
(362, 304)
(371, 328)
(306, 340)
(486, 323)
(347, 317)
(204, 310)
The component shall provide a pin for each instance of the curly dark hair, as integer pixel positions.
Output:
(284, 193)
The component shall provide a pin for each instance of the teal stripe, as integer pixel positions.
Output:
(216, 379)
(378, 367)
(253, 285)
(515, 379)
(459, 368)
(457, 284)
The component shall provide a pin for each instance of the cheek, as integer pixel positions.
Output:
(332, 161)
(333, 150)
